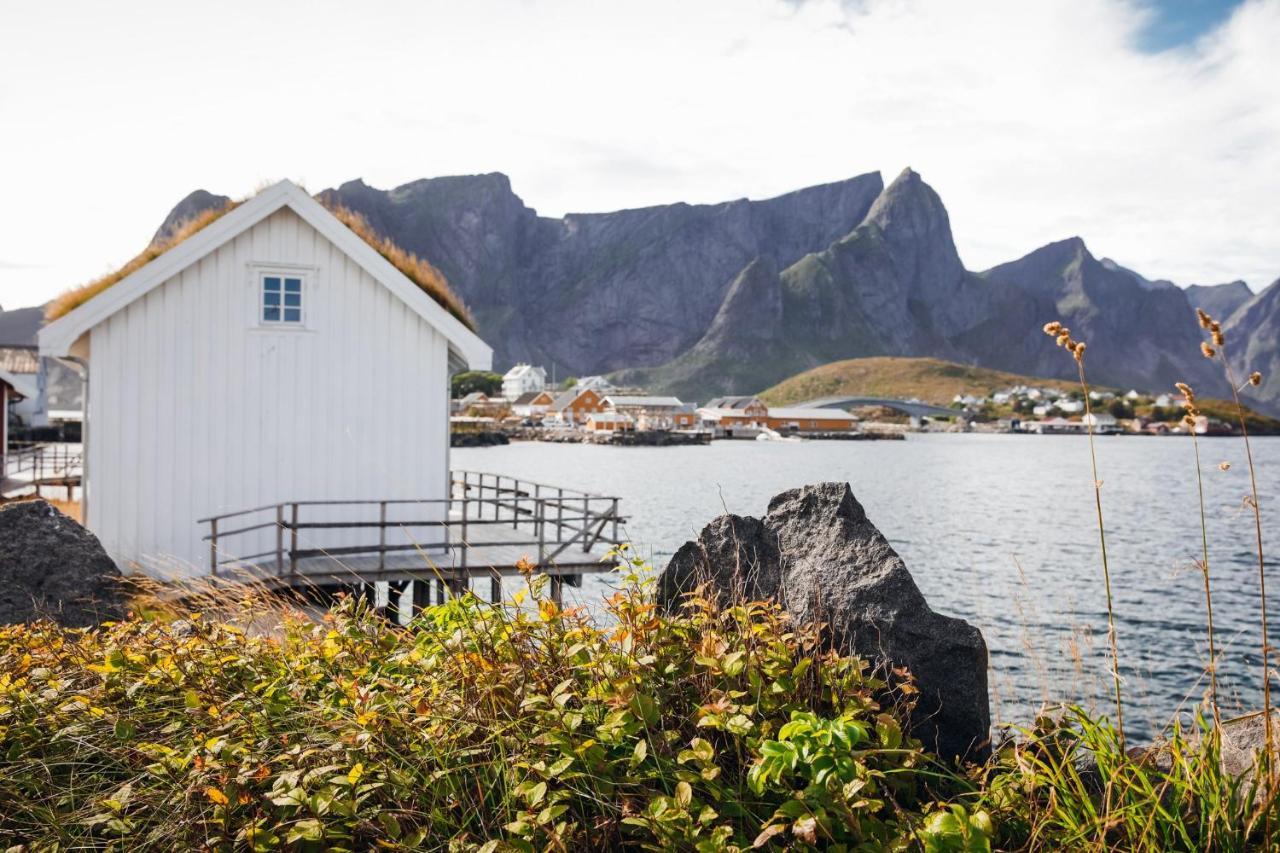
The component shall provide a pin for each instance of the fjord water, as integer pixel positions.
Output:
(999, 530)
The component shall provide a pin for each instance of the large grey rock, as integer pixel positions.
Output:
(821, 558)
(51, 567)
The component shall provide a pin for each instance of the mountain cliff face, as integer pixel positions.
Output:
(1220, 300)
(1253, 343)
(593, 293)
(731, 298)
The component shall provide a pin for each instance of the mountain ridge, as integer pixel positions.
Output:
(730, 297)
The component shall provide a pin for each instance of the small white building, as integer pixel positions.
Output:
(523, 379)
(264, 359)
(599, 384)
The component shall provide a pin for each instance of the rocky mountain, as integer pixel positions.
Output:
(1220, 300)
(591, 293)
(195, 203)
(1253, 343)
(733, 297)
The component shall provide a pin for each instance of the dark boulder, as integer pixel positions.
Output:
(51, 567)
(818, 555)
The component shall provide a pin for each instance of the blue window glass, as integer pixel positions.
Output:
(281, 299)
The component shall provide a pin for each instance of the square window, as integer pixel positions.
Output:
(281, 301)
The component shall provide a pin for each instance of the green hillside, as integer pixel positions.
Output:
(929, 379)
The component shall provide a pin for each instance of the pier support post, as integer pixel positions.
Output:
(395, 597)
(421, 595)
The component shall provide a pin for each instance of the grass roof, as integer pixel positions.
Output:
(418, 270)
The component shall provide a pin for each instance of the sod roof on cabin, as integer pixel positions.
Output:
(418, 270)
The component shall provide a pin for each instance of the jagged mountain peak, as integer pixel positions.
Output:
(913, 222)
(1220, 300)
(195, 203)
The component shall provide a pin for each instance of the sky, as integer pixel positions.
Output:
(1151, 129)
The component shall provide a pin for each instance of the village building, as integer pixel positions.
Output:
(532, 404)
(1102, 422)
(598, 384)
(523, 379)
(730, 416)
(654, 413)
(480, 404)
(609, 421)
(58, 390)
(14, 388)
(252, 365)
(791, 419)
(572, 407)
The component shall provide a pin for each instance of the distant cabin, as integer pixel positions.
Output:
(273, 355)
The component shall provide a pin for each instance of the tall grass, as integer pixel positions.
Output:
(1062, 335)
(1190, 422)
(1215, 347)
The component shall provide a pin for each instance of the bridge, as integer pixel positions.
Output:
(911, 408)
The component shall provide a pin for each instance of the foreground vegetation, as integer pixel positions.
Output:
(532, 727)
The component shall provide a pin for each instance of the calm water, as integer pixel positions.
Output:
(997, 529)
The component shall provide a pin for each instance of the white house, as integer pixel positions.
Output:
(599, 384)
(266, 358)
(523, 379)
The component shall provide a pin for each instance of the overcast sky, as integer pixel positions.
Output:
(1152, 130)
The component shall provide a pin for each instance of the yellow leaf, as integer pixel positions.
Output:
(354, 774)
(216, 796)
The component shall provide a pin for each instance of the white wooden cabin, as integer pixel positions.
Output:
(272, 356)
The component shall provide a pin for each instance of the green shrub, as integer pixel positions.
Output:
(499, 728)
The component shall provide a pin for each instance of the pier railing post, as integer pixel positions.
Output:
(213, 546)
(382, 535)
(279, 539)
(293, 540)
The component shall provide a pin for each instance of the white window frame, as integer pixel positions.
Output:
(258, 273)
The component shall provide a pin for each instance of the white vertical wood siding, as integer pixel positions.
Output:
(196, 410)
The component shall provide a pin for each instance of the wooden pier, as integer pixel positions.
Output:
(491, 526)
(28, 470)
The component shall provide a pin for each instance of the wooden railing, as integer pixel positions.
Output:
(483, 512)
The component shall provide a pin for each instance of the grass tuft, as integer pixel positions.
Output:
(428, 279)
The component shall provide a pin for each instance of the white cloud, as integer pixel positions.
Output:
(1034, 121)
